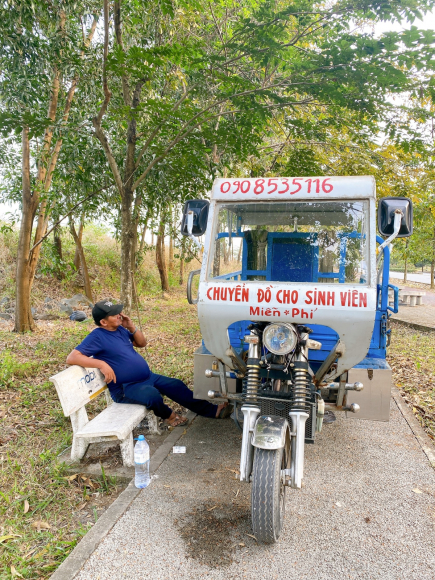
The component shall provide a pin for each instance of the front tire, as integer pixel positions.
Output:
(268, 494)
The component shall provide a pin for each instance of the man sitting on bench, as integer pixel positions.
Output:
(127, 373)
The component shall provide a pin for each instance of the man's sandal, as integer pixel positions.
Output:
(177, 421)
(225, 412)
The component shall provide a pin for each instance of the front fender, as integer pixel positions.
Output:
(270, 432)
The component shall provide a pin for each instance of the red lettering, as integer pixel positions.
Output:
(304, 314)
(231, 292)
(227, 186)
(260, 295)
(216, 293)
(268, 295)
(245, 294)
(276, 312)
(308, 297)
(223, 296)
(267, 312)
(295, 296)
(321, 298)
(209, 297)
(295, 312)
(286, 297)
(238, 292)
(343, 296)
(355, 299)
(331, 298)
(278, 296)
(363, 299)
(254, 311)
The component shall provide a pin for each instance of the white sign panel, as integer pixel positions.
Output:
(293, 188)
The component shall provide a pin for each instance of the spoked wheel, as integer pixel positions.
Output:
(268, 494)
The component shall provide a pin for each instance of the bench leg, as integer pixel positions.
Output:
(78, 448)
(127, 452)
(412, 300)
(153, 423)
(419, 300)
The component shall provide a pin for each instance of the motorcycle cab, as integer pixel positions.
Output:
(293, 304)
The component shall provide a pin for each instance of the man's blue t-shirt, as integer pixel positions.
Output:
(115, 347)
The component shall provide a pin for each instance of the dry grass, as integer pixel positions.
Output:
(412, 358)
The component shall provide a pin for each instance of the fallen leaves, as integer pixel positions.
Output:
(8, 537)
(26, 506)
(40, 525)
(15, 573)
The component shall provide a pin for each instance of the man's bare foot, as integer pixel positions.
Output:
(176, 420)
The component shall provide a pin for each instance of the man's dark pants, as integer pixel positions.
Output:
(150, 393)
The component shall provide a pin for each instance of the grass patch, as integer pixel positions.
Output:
(33, 431)
(412, 358)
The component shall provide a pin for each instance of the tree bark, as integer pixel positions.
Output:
(84, 266)
(160, 255)
(77, 253)
(58, 249)
(432, 264)
(182, 251)
(23, 313)
(171, 243)
(144, 231)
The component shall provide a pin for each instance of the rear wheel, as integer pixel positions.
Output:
(268, 494)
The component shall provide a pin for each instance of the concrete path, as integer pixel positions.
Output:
(422, 277)
(366, 511)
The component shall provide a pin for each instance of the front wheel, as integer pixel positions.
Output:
(268, 494)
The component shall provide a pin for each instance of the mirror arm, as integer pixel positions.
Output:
(190, 228)
(398, 214)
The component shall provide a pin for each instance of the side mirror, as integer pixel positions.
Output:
(195, 214)
(386, 210)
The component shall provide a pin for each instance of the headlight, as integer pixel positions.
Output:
(280, 338)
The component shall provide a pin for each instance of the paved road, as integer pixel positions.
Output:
(358, 515)
(423, 277)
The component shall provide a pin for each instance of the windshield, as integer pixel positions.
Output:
(322, 242)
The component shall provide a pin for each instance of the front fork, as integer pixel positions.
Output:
(298, 414)
(250, 408)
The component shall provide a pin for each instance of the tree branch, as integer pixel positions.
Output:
(107, 93)
(68, 214)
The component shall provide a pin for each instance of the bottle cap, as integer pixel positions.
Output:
(141, 438)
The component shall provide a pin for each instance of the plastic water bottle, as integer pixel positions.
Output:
(141, 463)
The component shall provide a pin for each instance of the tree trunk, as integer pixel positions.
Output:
(144, 231)
(160, 255)
(432, 264)
(84, 266)
(171, 243)
(432, 272)
(23, 313)
(182, 250)
(58, 250)
(127, 247)
(77, 253)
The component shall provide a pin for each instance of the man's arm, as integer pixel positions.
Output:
(139, 339)
(75, 357)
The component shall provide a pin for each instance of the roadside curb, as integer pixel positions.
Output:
(420, 434)
(72, 565)
(413, 325)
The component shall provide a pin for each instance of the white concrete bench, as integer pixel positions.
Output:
(412, 298)
(77, 386)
